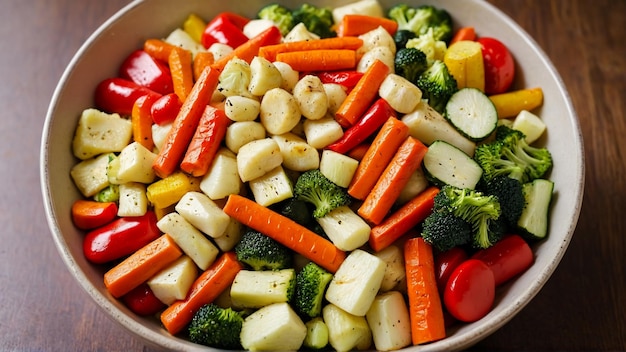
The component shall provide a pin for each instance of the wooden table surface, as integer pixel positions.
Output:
(582, 307)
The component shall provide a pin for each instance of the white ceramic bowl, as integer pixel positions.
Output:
(103, 52)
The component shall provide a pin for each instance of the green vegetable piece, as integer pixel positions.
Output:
(422, 18)
(216, 327)
(111, 193)
(410, 63)
(437, 85)
(313, 187)
(311, 284)
(261, 252)
(318, 20)
(280, 15)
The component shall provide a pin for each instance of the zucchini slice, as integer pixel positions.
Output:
(447, 164)
(535, 217)
(472, 113)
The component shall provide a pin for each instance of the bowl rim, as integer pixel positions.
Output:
(454, 342)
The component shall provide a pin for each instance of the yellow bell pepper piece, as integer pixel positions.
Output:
(510, 104)
(171, 189)
(194, 26)
(464, 60)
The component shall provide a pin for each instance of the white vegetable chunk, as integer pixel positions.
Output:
(298, 155)
(380, 53)
(356, 283)
(258, 157)
(375, 38)
(203, 213)
(235, 78)
(238, 108)
(394, 267)
(311, 96)
(173, 282)
(180, 38)
(243, 132)
(401, 94)
(231, 236)
(275, 327)
(98, 132)
(264, 76)
(255, 26)
(271, 188)
(364, 7)
(159, 134)
(530, 124)
(389, 321)
(190, 240)
(417, 184)
(279, 111)
(346, 229)
(219, 50)
(338, 168)
(299, 33)
(289, 75)
(133, 200)
(90, 176)
(336, 94)
(222, 178)
(346, 331)
(323, 132)
(256, 289)
(135, 164)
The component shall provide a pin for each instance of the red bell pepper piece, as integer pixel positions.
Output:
(120, 238)
(373, 118)
(347, 79)
(225, 28)
(143, 69)
(142, 301)
(118, 95)
(507, 258)
(165, 109)
(89, 214)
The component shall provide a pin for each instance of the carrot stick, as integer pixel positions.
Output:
(359, 151)
(248, 50)
(464, 33)
(158, 49)
(356, 24)
(180, 62)
(426, 312)
(141, 121)
(269, 52)
(141, 265)
(362, 95)
(286, 231)
(204, 290)
(403, 220)
(184, 126)
(377, 156)
(319, 60)
(205, 142)
(405, 161)
(201, 60)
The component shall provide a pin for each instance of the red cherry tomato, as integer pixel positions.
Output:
(445, 263)
(142, 301)
(499, 65)
(470, 291)
(165, 109)
(507, 258)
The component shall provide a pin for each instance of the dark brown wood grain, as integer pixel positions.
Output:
(582, 307)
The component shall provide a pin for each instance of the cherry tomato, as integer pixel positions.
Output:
(499, 65)
(470, 291)
(445, 263)
(507, 258)
(142, 301)
(165, 109)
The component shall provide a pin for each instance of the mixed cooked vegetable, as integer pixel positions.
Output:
(347, 177)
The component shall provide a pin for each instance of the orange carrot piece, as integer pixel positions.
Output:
(362, 95)
(269, 52)
(356, 24)
(141, 121)
(359, 151)
(405, 161)
(403, 220)
(464, 33)
(201, 60)
(319, 60)
(204, 290)
(141, 265)
(286, 231)
(425, 309)
(180, 62)
(158, 49)
(377, 157)
(205, 142)
(248, 50)
(185, 124)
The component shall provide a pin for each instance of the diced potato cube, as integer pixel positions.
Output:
(311, 96)
(259, 288)
(388, 318)
(90, 176)
(321, 133)
(530, 124)
(279, 111)
(238, 108)
(338, 168)
(336, 94)
(272, 187)
(222, 177)
(173, 282)
(203, 213)
(346, 332)
(159, 134)
(401, 94)
(264, 76)
(275, 327)
(417, 184)
(171, 189)
(99, 132)
(180, 38)
(258, 157)
(242, 132)
(135, 164)
(394, 267)
(298, 155)
(133, 200)
(231, 236)
(289, 75)
(346, 229)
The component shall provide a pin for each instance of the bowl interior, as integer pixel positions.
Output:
(103, 52)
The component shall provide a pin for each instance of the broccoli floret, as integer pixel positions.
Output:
(216, 327)
(420, 19)
(434, 49)
(318, 20)
(437, 85)
(311, 283)
(481, 211)
(300, 212)
(261, 252)
(111, 193)
(313, 187)
(401, 37)
(280, 15)
(410, 63)
(509, 154)
(510, 195)
(443, 230)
